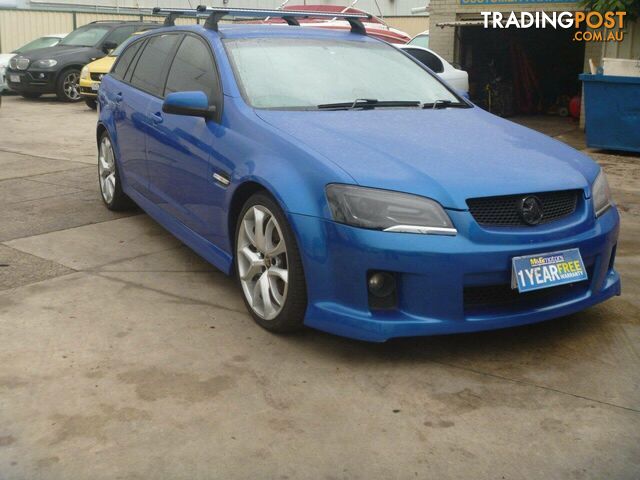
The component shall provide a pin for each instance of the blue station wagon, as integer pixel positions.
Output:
(345, 186)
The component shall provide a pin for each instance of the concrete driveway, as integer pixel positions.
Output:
(125, 356)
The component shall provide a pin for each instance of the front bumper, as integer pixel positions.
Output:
(3, 81)
(438, 278)
(87, 89)
(40, 81)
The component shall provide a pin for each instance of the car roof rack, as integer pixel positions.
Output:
(117, 21)
(215, 14)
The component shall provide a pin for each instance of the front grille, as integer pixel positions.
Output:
(504, 211)
(19, 63)
(492, 298)
(97, 77)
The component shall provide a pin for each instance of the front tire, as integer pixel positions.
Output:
(268, 266)
(91, 103)
(109, 177)
(67, 88)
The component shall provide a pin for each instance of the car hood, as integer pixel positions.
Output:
(58, 52)
(449, 154)
(102, 65)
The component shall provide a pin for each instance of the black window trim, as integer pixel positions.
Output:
(218, 100)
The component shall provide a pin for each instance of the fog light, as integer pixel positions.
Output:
(382, 290)
(381, 284)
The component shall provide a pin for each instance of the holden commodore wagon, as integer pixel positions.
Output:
(346, 187)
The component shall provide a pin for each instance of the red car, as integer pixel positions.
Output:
(375, 26)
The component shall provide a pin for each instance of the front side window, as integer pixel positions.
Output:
(148, 74)
(42, 42)
(88, 36)
(192, 69)
(306, 73)
(119, 35)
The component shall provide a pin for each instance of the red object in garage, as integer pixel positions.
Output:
(574, 106)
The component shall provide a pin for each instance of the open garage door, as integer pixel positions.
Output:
(520, 71)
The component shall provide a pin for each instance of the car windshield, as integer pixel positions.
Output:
(85, 36)
(42, 42)
(285, 73)
(420, 41)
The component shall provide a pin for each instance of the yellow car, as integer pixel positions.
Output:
(92, 74)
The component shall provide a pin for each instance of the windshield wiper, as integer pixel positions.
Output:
(368, 103)
(439, 104)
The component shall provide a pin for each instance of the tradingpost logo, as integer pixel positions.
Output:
(612, 22)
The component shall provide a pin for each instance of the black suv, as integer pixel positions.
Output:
(57, 69)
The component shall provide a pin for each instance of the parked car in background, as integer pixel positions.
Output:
(375, 26)
(92, 73)
(41, 42)
(420, 40)
(458, 79)
(347, 187)
(57, 69)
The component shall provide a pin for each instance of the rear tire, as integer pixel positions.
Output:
(91, 103)
(30, 95)
(109, 177)
(67, 88)
(268, 266)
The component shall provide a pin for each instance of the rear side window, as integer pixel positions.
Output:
(124, 60)
(426, 58)
(148, 73)
(192, 69)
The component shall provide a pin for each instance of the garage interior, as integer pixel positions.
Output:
(522, 71)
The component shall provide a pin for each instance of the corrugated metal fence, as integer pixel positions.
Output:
(18, 27)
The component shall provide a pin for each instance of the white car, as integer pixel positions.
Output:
(420, 40)
(41, 42)
(458, 79)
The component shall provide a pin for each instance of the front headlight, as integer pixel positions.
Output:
(601, 194)
(45, 63)
(386, 210)
(84, 73)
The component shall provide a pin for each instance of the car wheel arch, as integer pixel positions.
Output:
(67, 67)
(240, 195)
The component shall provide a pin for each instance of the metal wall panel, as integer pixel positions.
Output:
(410, 25)
(18, 27)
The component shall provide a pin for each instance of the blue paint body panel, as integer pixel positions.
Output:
(448, 155)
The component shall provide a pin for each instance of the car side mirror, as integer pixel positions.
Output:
(108, 46)
(193, 104)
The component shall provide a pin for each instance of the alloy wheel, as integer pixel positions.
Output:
(107, 170)
(70, 86)
(262, 262)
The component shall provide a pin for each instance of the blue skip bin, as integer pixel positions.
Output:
(612, 111)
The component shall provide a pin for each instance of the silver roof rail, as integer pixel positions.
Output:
(215, 14)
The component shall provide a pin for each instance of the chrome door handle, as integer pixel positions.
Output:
(156, 117)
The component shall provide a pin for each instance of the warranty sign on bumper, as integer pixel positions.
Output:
(534, 272)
